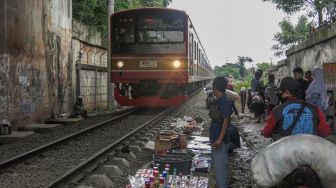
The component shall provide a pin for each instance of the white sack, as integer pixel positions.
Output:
(232, 95)
(275, 162)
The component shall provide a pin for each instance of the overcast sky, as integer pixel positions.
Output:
(231, 28)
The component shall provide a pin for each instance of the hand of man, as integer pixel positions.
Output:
(217, 144)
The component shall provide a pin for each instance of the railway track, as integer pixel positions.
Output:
(68, 160)
(90, 166)
(27, 155)
(39, 167)
(80, 171)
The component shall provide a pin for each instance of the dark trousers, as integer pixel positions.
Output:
(243, 100)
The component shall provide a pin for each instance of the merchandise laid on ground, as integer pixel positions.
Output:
(178, 154)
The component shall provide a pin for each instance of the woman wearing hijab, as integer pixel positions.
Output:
(316, 92)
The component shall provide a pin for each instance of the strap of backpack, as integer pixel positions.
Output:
(297, 117)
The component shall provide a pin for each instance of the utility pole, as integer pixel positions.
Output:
(110, 10)
(271, 61)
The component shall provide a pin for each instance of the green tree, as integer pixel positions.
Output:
(331, 10)
(227, 70)
(241, 64)
(312, 7)
(290, 34)
(94, 12)
(264, 66)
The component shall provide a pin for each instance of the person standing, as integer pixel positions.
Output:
(258, 98)
(298, 73)
(243, 98)
(220, 114)
(308, 76)
(294, 116)
(271, 93)
(249, 99)
(255, 80)
(316, 92)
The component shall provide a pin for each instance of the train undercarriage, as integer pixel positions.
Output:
(154, 93)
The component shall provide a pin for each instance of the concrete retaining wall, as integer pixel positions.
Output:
(318, 49)
(35, 59)
(90, 58)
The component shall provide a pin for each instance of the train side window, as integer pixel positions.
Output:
(191, 46)
(196, 45)
(199, 56)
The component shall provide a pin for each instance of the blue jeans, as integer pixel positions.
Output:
(220, 160)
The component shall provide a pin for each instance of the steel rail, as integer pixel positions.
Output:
(27, 155)
(79, 172)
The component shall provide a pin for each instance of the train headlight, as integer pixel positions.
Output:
(176, 63)
(120, 64)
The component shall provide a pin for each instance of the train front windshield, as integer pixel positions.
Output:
(148, 34)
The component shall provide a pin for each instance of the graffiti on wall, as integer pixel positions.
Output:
(30, 85)
(58, 73)
(4, 83)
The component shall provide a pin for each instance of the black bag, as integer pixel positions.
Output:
(278, 136)
(214, 114)
(5, 128)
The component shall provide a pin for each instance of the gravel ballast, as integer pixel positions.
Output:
(41, 170)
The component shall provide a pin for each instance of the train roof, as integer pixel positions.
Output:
(136, 10)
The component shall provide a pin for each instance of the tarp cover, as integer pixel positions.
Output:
(270, 166)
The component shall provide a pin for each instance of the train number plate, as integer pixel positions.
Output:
(148, 64)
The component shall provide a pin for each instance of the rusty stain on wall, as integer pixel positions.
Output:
(4, 83)
(35, 62)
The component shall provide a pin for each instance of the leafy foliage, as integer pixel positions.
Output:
(312, 7)
(94, 12)
(241, 63)
(237, 70)
(227, 70)
(263, 66)
(243, 83)
(290, 34)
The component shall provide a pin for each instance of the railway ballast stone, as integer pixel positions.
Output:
(135, 149)
(129, 156)
(84, 186)
(122, 163)
(144, 139)
(100, 181)
(149, 136)
(140, 143)
(111, 171)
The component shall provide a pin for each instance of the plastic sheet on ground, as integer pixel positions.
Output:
(187, 125)
(275, 162)
(136, 182)
(199, 145)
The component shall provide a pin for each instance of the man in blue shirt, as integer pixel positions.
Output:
(220, 114)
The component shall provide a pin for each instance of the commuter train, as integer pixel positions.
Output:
(157, 58)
